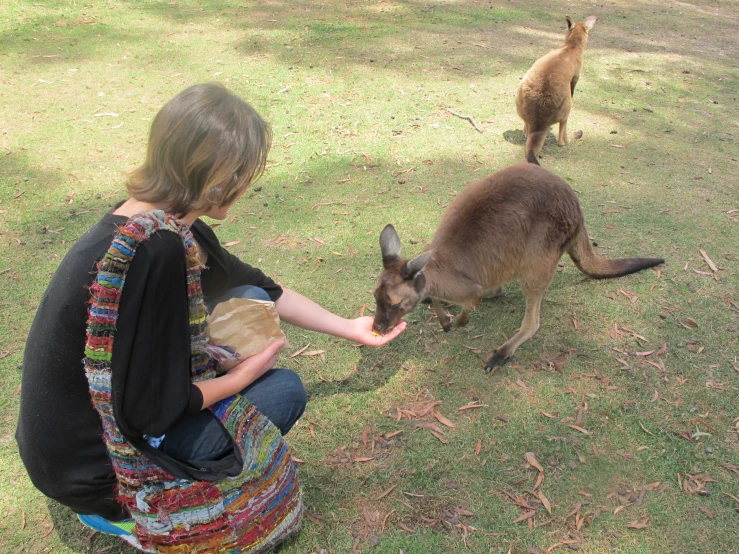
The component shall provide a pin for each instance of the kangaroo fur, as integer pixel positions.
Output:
(515, 223)
(544, 96)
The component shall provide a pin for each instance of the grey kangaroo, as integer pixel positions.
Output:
(515, 223)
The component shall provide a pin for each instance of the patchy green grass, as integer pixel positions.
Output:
(357, 94)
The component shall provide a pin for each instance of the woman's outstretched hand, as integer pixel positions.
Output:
(362, 332)
(298, 310)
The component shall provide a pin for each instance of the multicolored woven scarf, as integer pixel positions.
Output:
(252, 512)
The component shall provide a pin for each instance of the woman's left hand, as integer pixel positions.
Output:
(363, 332)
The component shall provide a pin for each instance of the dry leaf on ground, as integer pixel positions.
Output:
(298, 352)
(443, 420)
(545, 502)
(638, 524)
(384, 494)
(525, 516)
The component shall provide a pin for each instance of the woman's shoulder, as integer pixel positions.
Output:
(204, 234)
(162, 248)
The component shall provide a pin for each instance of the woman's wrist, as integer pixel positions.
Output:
(354, 330)
(218, 388)
(231, 382)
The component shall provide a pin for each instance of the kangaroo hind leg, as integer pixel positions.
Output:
(464, 316)
(534, 282)
(528, 329)
(563, 138)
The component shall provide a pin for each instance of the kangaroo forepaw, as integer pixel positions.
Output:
(497, 359)
(446, 322)
(577, 134)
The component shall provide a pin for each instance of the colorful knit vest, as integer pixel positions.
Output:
(252, 512)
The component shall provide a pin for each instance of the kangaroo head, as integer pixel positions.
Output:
(578, 32)
(402, 283)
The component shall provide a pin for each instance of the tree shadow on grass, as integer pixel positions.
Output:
(321, 34)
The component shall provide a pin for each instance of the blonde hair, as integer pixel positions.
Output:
(206, 146)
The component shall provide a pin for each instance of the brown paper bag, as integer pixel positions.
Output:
(244, 326)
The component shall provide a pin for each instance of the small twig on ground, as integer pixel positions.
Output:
(75, 214)
(479, 45)
(314, 206)
(467, 117)
(116, 191)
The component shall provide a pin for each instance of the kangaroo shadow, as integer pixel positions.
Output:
(518, 138)
(515, 137)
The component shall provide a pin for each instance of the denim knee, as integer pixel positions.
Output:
(294, 399)
(294, 390)
(280, 395)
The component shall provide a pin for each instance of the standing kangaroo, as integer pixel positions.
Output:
(544, 96)
(514, 223)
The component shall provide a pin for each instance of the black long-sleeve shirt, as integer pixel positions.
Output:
(59, 433)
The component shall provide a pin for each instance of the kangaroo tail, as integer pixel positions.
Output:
(591, 264)
(534, 144)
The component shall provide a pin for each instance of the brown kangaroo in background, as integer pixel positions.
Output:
(544, 96)
(514, 223)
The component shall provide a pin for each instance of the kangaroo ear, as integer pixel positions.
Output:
(415, 265)
(389, 245)
(590, 21)
(419, 282)
(569, 22)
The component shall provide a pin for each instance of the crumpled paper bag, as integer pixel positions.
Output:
(245, 327)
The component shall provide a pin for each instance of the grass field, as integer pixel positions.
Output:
(627, 399)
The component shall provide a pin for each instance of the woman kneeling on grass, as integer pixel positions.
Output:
(170, 453)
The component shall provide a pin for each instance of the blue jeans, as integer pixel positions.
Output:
(279, 394)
